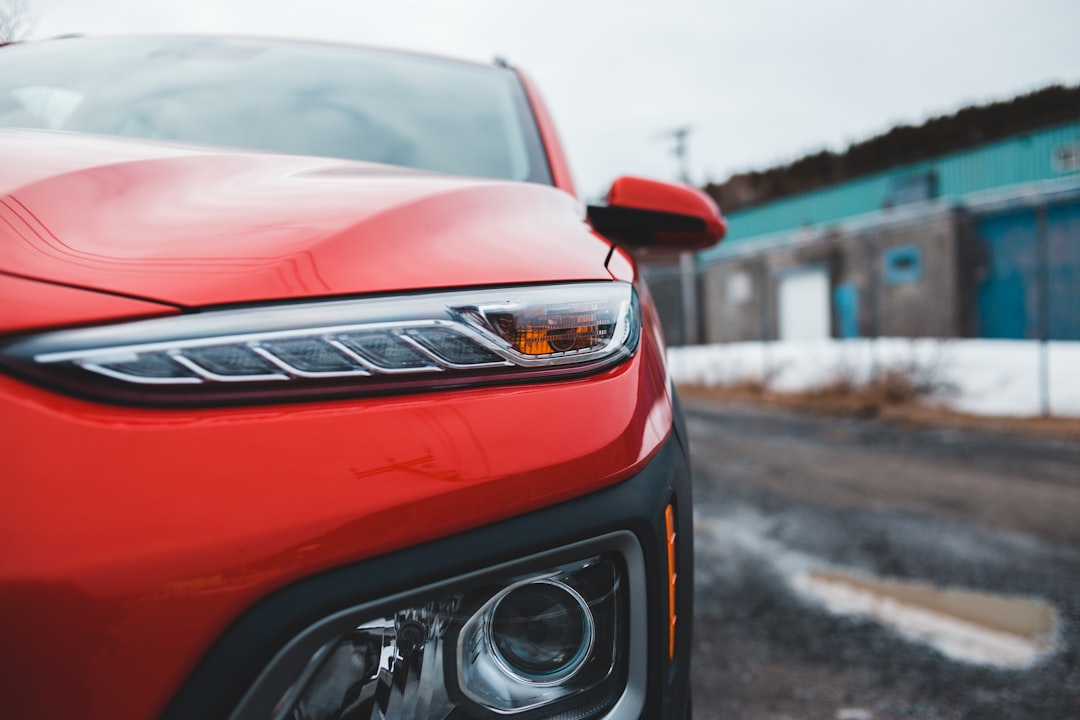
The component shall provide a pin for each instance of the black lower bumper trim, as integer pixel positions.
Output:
(637, 505)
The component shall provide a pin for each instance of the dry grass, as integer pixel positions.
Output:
(896, 396)
(842, 395)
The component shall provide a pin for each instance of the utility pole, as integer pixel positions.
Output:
(687, 262)
(679, 136)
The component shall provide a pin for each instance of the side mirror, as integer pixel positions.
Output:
(649, 213)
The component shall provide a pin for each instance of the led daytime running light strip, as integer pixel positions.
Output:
(344, 344)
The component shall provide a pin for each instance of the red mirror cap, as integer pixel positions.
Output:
(644, 194)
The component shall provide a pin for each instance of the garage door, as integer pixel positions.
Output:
(804, 304)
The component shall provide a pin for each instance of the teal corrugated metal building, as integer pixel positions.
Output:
(1025, 158)
(982, 242)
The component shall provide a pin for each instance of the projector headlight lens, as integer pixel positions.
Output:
(541, 631)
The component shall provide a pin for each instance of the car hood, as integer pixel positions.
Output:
(194, 226)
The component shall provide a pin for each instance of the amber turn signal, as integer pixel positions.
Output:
(669, 522)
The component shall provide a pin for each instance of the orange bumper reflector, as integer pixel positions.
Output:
(669, 519)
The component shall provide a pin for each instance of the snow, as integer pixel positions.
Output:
(953, 637)
(985, 377)
(854, 714)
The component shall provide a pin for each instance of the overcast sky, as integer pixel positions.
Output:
(760, 81)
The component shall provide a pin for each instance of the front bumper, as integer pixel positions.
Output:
(632, 510)
(132, 538)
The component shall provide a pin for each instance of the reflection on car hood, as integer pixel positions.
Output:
(195, 226)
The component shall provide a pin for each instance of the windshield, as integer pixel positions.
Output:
(290, 97)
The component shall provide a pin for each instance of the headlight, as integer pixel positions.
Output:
(541, 631)
(554, 642)
(341, 347)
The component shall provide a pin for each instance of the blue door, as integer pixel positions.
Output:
(1063, 235)
(846, 305)
(1007, 289)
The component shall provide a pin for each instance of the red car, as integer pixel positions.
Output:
(324, 396)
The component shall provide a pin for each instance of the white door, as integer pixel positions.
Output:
(804, 304)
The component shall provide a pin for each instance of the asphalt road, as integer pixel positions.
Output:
(778, 493)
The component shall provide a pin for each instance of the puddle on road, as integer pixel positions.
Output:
(975, 627)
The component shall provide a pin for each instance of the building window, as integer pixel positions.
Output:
(903, 265)
(917, 187)
(1067, 158)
